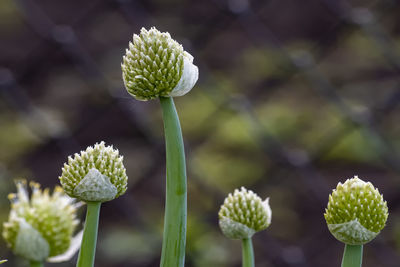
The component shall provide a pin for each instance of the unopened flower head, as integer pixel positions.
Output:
(96, 174)
(155, 65)
(40, 227)
(243, 214)
(356, 212)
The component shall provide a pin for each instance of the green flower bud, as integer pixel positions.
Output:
(155, 65)
(96, 174)
(356, 212)
(40, 227)
(243, 214)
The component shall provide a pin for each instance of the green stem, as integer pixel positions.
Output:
(89, 239)
(352, 256)
(247, 253)
(36, 264)
(174, 238)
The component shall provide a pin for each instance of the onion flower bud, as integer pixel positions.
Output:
(96, 174)
(40, 227)
(243, 214)
(356, 212)
(155, 65)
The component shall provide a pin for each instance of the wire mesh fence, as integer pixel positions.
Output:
(292, 98)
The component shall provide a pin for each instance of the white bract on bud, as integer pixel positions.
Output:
(243, 214)
(155, 65)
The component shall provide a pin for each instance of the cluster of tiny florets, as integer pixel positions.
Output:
(357, 200)
(153, 64)
(52, 215)
(246, 208)
(103, 158)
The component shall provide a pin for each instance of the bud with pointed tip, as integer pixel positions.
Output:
(96, 174)
(155, 65)
(356, 212)
(243, 214)
(40, 227)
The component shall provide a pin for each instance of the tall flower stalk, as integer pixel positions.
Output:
(355, 215)
(36, 264)
(247, 252)
(241, 216)
(352, 255)
(94, 176)
(156, 66)
(173, 249)
(89, 239)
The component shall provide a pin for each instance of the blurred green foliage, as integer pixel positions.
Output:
(254, 119)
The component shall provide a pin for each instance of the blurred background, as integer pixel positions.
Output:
(293, 97)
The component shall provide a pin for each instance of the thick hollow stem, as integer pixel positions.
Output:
(36, 264)
(247, 253)
(174, 238)
(352, 256)
(89, 239)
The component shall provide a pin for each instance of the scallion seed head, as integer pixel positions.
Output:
(243, 214)
(356, 212)
(41, 226)
(96, 174)
(155, 65)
